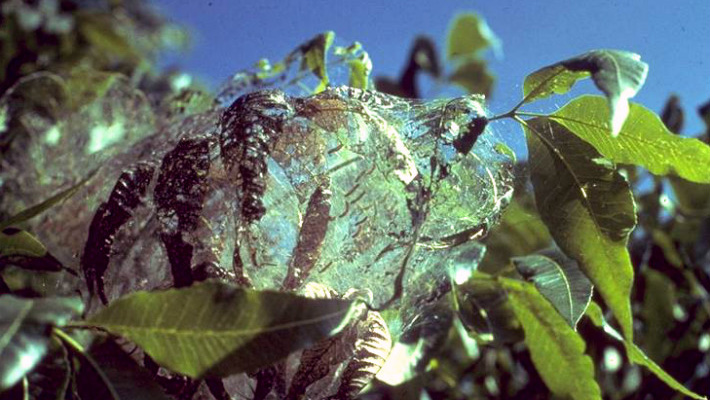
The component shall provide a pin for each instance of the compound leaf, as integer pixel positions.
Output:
(556, 349)
(644, 140)
(560, 281)
(619, 74)
(588, 208)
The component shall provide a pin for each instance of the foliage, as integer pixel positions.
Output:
(584, 239)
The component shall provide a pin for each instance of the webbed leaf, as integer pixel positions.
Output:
(314, 57)
(213, 329)
(636, 354)
(619, 74)
(644, 140)
(25, 328)
(560, 281)
(556, 349)
(588, 208)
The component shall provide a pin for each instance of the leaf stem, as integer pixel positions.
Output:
(76, 346)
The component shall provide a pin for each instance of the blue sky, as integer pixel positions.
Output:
(672, 37)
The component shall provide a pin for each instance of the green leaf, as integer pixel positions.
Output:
(563, 284)
(658, 302)
(314, 57)
(35, 210)
(643, 141)
(474, 76)
(588, 208)
(469, 34)
(484, 309)
(636, 355)
(99, 29)
(619, 74)
(555, 348)
(23, 249)
(360, 69)
(213, 329)
(25, 327)
(520, 232)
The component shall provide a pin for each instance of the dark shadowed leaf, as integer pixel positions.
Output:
(658, 302)
(635, 354)
(35, 210)
(484, 309)
(25, 327)
(704, 113)
(556, 349)
(672, 114)
(474, 76)
(693, 199)
(560, 280)
(213, 329)
(643, 141)
(587, 207)
(469, 34)
(106, 372)
(619, 74)
(520, 232)
(50, 379)
(23, 249)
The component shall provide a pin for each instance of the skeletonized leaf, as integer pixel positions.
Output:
(556, 349)
(563, 284)
(474, 76)
(635, 354)
(643, 141)
(25, 327)
(214, 329)
(588, 208)
(619, 74)
(469, 34)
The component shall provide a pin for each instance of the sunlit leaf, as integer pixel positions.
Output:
(643, 141)
(469, 34)
(635, 354)
(556, 349)
(474, 76)
(213, 329)
(520, 232)
(360, 65)
(588, 208)
(25, 327)
(619, 74)
(561, 282)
